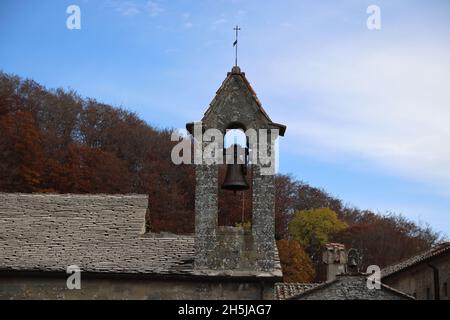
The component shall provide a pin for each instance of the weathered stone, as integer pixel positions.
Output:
(41, 235)
(235, 106)
(350, 287)
(425, 276)
(130, 287)
(60, 230)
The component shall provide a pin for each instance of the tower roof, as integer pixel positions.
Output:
(237, 74)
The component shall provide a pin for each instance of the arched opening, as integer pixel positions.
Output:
(235, 136)
(235, 206)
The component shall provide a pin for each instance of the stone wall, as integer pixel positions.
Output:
(263, 218)
(418, 280)
(234, 250)
(235, 106)
(206, 208)
(136, 288)
(350, 287)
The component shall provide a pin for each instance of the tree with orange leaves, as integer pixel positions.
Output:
(21, 153)
(95, 171)
(295, 263)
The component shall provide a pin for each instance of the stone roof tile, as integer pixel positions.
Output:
(99, 233)
(434, 251)
(287, 290)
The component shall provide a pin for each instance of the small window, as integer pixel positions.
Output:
(445, 289)
(428, 294)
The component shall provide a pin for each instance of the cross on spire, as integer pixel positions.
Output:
(235, 44)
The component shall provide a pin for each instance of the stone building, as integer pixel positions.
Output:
(235, 106)
(343, 282)
(104, 235)
(349, 287)
(425, 276)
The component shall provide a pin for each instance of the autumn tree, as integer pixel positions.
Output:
(95, 171)
(21, 155)
(286, 189)
(10, 100)
(313, 228)
(56, 141)
(59, 121)
(122, 133)
(308, 197)
(170, 189)
(295, 263)
(385, 239)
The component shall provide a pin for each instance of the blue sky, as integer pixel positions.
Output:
(368, 112)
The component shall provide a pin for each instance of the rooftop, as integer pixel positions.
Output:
(344, 287)
(99, 233)
(236, 73)
(285, 291)
(433, 252)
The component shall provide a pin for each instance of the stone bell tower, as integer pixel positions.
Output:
(234, 249)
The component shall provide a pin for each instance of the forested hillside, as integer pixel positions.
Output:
(57, 141)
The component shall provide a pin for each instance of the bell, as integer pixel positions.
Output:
(352, 257)
(235, 176)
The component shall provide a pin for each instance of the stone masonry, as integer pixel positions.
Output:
(235, 106)
(42, 234)
(350, 287)
(105, 235)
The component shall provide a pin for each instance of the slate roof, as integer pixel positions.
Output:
(99, 233)
(287, 290)
(339, 288)
(433, 252)
(236, 72)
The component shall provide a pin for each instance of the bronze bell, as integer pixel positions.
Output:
(235, 176)
(352, 257)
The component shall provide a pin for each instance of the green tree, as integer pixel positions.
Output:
(313, 228)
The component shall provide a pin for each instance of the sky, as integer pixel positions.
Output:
(367, 111)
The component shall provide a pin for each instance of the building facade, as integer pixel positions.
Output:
(425, 276)
(42, 235)
(343, 281)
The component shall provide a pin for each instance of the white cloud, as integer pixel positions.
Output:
(153, 8)
(219, 21)
(386, 104)
(287, 25)
(126, 8)
(132, 8)
(187, 23)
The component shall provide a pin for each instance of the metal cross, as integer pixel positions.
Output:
(237, 29)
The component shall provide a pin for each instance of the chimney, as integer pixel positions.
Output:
(335, 259)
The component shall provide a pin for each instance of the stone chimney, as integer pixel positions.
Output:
(335, 259)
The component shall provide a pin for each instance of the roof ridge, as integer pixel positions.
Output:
(237, 72)
(436, 249)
